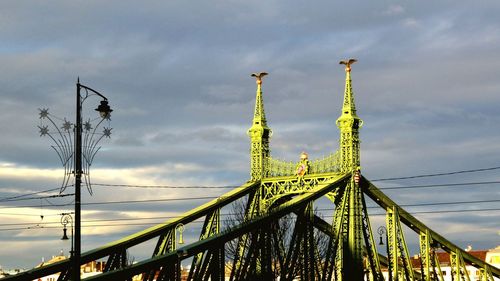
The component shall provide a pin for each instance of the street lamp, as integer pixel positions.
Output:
(76, 146)
(66, 219)
(179, 228)
(382, 231)
(105, 113)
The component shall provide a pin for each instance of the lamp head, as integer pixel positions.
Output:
(65, 236)
(180, 227)
(104, 109)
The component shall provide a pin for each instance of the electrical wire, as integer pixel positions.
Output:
(117, 202)
(20, 197)
(33, 193)
(439, 174)
(322, 209)
(395, 187)
(442, 185)
(150, 200)
(235, 186)
(164, 186)
(442, 203)
(27, 215)
(450, 185)
(39, 226)
(135, 201)
(381, 179)
(39, 197)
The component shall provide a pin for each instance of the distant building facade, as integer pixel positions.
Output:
(86, 270)
(491, 256)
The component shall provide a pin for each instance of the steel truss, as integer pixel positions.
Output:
(300, 259)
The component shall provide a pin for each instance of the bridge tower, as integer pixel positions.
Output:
(349, 124)
(259, 135)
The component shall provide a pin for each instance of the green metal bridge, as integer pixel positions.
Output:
(315, 249)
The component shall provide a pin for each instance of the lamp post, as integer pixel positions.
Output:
(179, 228)
(382, 231)
(104, 111)
(66, 219)
(76, 154)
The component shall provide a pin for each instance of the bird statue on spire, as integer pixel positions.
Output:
(259, 76)
(348, 64)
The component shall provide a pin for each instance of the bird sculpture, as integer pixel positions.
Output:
(259, 76)
(348, 63)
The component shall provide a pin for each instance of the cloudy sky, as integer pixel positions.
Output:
(177, 74)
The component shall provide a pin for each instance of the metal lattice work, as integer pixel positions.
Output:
(281, 168)
(272, 189)
(328, 164)
(278, 190)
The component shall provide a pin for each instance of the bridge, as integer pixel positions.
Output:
(279, 236)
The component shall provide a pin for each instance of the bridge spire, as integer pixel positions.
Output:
(349, 124)
(259, 134)
(259, 116)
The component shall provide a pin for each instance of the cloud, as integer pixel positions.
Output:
(394, 10)
(411, 22)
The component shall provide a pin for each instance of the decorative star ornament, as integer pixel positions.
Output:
(44, 130)
(67, 125)
(87, 126)
(44, 113)
(107, 132)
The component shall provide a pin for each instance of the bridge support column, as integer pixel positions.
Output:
(425, 254)
(397, 247)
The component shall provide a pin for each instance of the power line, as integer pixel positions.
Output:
(439, 174)
(164, 186)
(119, 202)
(41, 226)
(445, 211)
(39, 197)
(381, 179)
(27, 215)
(19, 197)
(98, 220)
(235, 186)
(442, 185)
(214, 197)
(442, 203)
(38, 226)
(155, 200)
(149, 200)
(33, 193)
(207, 187)
(323, 209)
(38, 206)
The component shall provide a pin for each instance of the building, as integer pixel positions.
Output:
(491, 256)
(86, 270)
